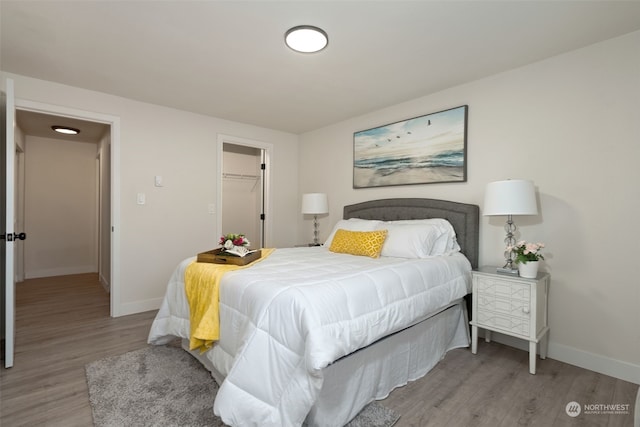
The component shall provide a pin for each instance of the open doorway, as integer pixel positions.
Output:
(63, 197)
(243, 189)
(110, 222)
(242, 192)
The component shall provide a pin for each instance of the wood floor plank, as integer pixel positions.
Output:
(494, 388)
(63, 323)
(623, 394)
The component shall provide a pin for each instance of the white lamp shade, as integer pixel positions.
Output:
(315, 203)
(511, 197)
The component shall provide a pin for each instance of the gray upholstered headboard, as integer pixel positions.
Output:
(465, 218)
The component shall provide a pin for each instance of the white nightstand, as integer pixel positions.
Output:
(511, 305)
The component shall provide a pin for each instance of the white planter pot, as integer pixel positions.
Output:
(529, 269)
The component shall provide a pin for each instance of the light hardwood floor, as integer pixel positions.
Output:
(494, 389)
(63, 323)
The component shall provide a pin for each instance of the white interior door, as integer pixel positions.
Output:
(8, 185)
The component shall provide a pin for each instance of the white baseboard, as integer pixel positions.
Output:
(594, 362)
(62, 271)
(139, 306)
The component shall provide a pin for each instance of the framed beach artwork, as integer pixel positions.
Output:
(424, 150)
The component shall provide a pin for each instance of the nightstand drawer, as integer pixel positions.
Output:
(503, 288)
(497, 321)
(511, 307)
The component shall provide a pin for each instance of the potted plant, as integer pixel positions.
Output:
(527, 257)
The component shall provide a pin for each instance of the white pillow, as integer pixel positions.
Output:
(420, 238)
(353, 224)
(409, 240)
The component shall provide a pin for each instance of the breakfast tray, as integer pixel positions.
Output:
(216, 256)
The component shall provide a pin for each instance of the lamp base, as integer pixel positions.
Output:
(315, 231)
(507, 270)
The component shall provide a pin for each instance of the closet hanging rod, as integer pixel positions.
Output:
(239, 176)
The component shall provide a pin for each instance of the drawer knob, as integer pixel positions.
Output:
(525, 310)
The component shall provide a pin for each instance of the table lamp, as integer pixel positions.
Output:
(315, 204)
(510, 197)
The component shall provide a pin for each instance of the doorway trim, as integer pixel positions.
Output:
(114, 122)
(268, 152)
(19, 186)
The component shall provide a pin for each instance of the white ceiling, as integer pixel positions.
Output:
(228, 59)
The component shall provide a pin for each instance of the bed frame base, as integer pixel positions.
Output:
(378, 369)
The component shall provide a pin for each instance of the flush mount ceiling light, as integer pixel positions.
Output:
(306, 39)
(66, 130)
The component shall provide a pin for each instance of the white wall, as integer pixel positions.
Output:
(174, 223)
(60, 207)
(571, 124)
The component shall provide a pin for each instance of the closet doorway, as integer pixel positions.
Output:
(243, 190)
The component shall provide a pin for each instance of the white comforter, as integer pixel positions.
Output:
(292, 314)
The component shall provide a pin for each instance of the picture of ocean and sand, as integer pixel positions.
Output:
(423, 150)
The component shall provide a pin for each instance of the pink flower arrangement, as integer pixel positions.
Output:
(526, 251)
(230, 240)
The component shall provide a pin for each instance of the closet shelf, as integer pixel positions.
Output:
(239, 176)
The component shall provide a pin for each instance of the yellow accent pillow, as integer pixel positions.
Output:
(364, 243)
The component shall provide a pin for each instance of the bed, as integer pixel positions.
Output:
(294, 347)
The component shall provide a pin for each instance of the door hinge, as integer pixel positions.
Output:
(263, 166)
(262, 216)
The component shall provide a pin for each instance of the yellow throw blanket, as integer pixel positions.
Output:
(202, 285)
